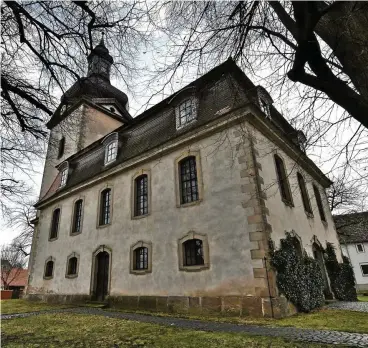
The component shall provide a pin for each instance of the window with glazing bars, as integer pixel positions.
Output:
(64, 175)
(111, 152)
(188, 180)
(193, 252)
(55, 223)
(72, 266)
(141, 258)
(186, 112)
(319, 203)
(105, 207)
(282, 178)
(304, 194)
(77, 221)
(49, 268)
(141, 195)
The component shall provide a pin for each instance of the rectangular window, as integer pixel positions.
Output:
(105, 207)
(193, 252)
(188, 180)
(186, 112)
(319, 203)
(141, 258)
(141, 195)
(360, 248)
(64, 175)
(304, 194)
(283, 180)
(364, 267)
(77, 221)
(61, 147)
(55, 224)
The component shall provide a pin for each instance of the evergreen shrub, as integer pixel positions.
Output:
(341, 276)
(298, 276)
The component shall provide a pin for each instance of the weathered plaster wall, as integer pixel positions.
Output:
(81, 128)
(221, 216)
(70, 129)
(283, 217)
(356, 260)
(96, 125)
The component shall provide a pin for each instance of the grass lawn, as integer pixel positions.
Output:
(23, 306)
(75, 330)
(323, 319)
(363, 298)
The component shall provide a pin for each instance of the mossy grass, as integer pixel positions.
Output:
(24, 306)
(322, 319)
(77, 330)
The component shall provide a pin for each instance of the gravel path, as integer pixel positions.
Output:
(305, 335)
(350, 306)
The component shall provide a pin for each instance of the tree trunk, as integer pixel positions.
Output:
(345, 29)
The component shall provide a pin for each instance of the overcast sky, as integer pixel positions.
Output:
(140, 100)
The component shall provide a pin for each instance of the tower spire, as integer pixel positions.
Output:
(100, 61)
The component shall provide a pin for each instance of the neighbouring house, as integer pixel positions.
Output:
(173, 209)
(352, 230)
(16, 281)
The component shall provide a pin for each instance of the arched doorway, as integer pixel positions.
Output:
(318, 256)
(101, 275)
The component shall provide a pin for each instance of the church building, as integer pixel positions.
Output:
(173, 210)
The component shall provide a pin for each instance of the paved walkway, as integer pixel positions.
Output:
(350, 306)
(290, 333)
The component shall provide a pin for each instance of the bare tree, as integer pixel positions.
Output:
(44, 49)
(311, 56)
(12, 263)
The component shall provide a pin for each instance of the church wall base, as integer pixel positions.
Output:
(252, 306)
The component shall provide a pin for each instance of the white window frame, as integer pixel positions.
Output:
(361, 268)
(111, 157)
(188, 120)
(356, 246)
(64, 177)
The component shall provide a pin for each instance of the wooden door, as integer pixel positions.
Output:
(102, 276)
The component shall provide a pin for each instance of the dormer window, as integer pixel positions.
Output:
(64, 168)
(185, 113)
(111, 152)
(264, 100)
(111, 147)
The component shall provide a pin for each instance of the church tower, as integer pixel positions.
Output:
(89, 110)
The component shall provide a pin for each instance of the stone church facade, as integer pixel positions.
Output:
(172, 210)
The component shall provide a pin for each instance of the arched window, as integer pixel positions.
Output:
(283, 180)
(141, 258)
(304, 194)
(319, 203)
(64, 176)
(193, 252)
(105, 207)
(77, 216)
(61, 147)
(49, 268)
(188, 180)
(111, 152)
(55, 224)
(72, 266)
(141, 195)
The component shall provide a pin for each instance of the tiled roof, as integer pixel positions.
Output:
(17, 277)
(223, 89)
(352, 228)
